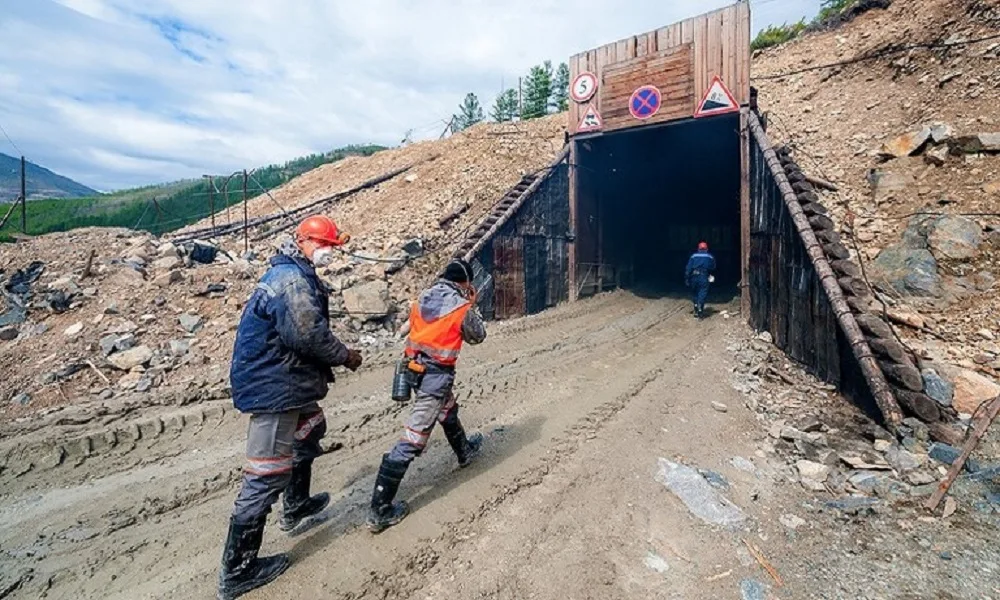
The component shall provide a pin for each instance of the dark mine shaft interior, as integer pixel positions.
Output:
(648, 196)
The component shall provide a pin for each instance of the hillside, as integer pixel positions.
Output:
(138, 287)
(923, 215)
(164, 207)
(40, 182)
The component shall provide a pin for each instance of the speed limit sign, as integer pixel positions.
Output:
(584, 87)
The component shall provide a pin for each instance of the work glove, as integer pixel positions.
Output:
(353, 360)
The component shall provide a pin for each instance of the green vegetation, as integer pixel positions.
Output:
(777, 34)
(505, 107)
(537, 91)
(166, 207)
(831, 8)
(469, 113)
(560, 88)
(542, 92)
(830, 13)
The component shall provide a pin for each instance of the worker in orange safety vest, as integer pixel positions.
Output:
(442, 319)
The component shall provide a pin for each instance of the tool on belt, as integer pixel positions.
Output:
(406, 378)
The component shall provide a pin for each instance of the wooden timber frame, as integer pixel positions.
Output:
(796, 293)
(682, 60)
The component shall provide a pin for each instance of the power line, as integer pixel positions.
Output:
(888, 51)
(10, 140)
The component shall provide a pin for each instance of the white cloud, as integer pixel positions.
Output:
(126, 92)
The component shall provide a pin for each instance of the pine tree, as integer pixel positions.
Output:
(537, 91)
(505, 107)
(469, 113)
(560, 88)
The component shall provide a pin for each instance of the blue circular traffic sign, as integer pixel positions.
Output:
(645, 102)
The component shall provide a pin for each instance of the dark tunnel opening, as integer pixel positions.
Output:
(648, 196)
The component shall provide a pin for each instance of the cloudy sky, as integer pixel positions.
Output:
(117, 93)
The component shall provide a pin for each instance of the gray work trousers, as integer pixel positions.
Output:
(434, 403)
(277, 444)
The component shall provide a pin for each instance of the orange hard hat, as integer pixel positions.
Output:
(322, 229)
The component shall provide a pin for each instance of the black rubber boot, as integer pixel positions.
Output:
(383, 512)
(241, 570)
(298, 504)
(466, 448)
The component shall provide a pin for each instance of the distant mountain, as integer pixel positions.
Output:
(41, 182)
(157, 208)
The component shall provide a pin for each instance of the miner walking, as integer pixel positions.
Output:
(440, 321)
(698, 277)
(282, 365)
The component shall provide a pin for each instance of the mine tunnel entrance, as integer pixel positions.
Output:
(648, 195)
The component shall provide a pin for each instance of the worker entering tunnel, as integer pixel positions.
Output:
(647, 196)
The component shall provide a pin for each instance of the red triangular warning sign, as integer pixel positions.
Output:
(718, 100)
(591, 121)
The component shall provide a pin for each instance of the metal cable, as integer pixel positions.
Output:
(888, 51)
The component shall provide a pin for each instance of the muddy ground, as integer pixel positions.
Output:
(578, 405)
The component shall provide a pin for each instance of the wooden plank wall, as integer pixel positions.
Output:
(719, 45)
(670, 71)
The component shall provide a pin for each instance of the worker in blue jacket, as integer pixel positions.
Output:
(282, 365)
(698, 277)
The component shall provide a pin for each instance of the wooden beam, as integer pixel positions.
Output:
(822, 183)
(744, 216)
(982, 426)
(514, 208)
(877, 383)
(574, 182)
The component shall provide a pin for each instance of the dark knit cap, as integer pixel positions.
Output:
(457, 271)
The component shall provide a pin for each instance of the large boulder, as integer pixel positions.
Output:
(954, 237)
(908, 271)
(368, 301)
(938, 388)
(971, 390)
(906, 144)
(974, 144)
(885, 184)
(168, 263)
(131, 358)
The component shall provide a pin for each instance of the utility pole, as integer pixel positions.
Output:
(24, 198)
(246, 216)
(520, 102)
(211, 198)
(447, 126)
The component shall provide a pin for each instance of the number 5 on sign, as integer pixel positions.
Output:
(584, 87)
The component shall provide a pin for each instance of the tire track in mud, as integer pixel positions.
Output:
(416, 565)
(499, 376)
(427, 555)
(183, 427)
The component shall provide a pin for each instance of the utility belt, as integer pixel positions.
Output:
(698, 272)
(410, 373)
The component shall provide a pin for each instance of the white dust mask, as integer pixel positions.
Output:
(322, 257)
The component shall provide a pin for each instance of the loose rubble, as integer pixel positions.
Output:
(157, 316)
(917, 180)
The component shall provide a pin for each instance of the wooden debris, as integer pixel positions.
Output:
(950, 506)
(762, 560)
(98, 371)
(822, 183)
(458, 212)
(982, 426)
(908, 318)
(719, 576)
(90, 264)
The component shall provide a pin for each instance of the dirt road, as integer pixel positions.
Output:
(577, 404)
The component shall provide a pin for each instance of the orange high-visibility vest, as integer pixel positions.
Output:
(440, 339)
